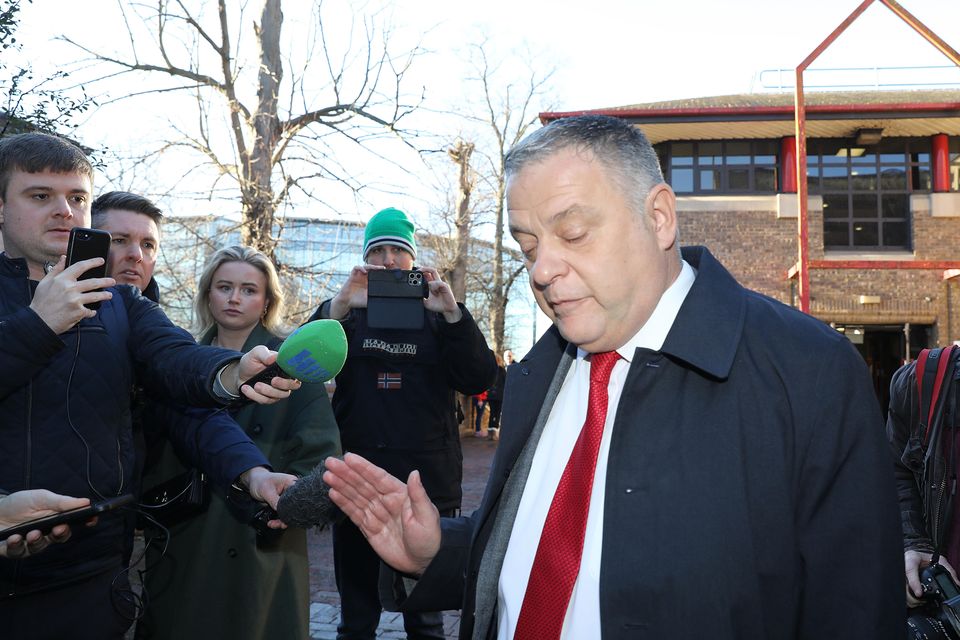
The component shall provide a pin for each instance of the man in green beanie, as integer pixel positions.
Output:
(395, 406)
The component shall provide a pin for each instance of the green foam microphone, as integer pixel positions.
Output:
(315, 352)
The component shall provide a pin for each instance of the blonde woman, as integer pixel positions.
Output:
(220, 578)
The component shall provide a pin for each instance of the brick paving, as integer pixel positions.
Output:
(324, 599)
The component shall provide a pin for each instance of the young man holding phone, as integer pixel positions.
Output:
(394, 403)
(64, 395)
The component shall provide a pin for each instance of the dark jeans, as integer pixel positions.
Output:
(357, 569)
(479, 408)
(93, 609)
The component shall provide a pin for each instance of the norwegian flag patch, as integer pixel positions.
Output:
(389, 381)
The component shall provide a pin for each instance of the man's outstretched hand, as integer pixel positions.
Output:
(398, 520)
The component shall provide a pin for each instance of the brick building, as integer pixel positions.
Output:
(883, 172)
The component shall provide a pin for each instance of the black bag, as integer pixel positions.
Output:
(177, 499)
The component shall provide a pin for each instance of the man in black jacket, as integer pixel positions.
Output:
(64, 395)
(394, 404)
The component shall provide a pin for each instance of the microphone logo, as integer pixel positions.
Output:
(303, 366)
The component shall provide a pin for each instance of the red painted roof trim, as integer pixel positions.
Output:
(755, 110)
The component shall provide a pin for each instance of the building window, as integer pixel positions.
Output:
(720, 166)
(866, 190)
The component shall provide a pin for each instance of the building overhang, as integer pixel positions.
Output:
(764, 116)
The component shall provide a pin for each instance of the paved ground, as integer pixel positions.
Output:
(325, 602)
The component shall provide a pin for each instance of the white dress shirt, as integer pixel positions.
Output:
(556, 443)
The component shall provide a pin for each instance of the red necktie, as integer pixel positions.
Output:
(557, 563)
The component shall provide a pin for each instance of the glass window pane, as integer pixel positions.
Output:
(738, 153)
(866, 234)
(864, 205)
(681, 153)
(682, 180)
(738, 179)
(895, 234)
(859, 156)
(765, 179)
(709, 179)
(835, 179)
(919, 145)
(836, 206)
(893, 178)
(895, 205)
(836, 234)
(889, 158)
(834, 151)
(766, 149)
(863, 178)
(813, 174)
(710, 153)
(921, 179)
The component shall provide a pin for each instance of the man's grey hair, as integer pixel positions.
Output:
(621, 147)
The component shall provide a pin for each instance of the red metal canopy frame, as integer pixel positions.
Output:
(803, 266)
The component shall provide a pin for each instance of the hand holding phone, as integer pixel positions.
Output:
(68, 294)
(71, 516)
(85, 244)
(395, 299)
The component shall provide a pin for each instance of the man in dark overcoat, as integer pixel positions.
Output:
(681, 457)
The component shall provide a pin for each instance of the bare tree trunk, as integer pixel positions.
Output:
(258, 205)
(460, 153)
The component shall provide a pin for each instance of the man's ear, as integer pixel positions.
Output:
(662, 211)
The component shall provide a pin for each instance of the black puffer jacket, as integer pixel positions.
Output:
(921, 469)
(65, 411)
(394, 401)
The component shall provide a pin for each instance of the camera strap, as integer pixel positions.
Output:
(933, 367)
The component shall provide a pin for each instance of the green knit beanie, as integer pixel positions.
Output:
(390, 226)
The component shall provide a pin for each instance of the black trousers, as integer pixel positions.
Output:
(357, 570)
(495, 407)
(98, 608)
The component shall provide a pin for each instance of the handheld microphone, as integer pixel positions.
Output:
(315, 352)
(307, 503)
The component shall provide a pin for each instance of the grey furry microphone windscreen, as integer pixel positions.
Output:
(307, 503)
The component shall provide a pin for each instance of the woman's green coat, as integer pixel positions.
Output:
(215, 581)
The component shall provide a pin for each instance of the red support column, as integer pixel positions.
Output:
(788, 164)
(941, 162)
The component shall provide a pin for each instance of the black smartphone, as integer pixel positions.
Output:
(395, 298)
(80, 514)
(85, 244)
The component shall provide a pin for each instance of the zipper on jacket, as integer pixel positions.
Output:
(120, 466)
(27, 467)
(939, 493)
